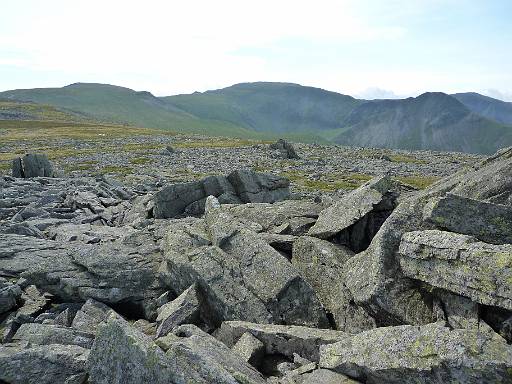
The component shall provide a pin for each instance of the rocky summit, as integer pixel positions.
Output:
(240, 278)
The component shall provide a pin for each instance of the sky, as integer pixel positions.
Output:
(365, 48)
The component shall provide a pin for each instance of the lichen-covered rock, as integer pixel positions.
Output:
(238, 273)
(491, 223)
(250, 349)
(92, 315)
(122, 354)
(281, 339)
(374, 276)
(459, 263)
(43, 364)
(183, 310)
(321, 264)
(421, 354)
(41, 334)
(10, 295)
(357, 216)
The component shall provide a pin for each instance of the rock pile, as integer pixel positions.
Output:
(241, 186)
(381, 286)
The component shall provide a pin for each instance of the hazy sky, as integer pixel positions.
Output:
(370, 48)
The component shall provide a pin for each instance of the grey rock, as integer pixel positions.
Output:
(254, 187)
(318, 376)
(374, 276)
(461, 264)
(357, 216)
(92, 316)
(10, 295)
(281, 339)
(43, 364)
(125, 355)
(421, 354)
(321, 264)
(145, 327)
(240, 275)
(32, 165)
(172, 200)
(285, 149)
(250, 349)
(491, 223)
(183, 310)
(42, 334)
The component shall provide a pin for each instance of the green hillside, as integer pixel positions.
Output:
(270, 107)
(267, 111)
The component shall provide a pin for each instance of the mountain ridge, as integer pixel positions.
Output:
(434, 120)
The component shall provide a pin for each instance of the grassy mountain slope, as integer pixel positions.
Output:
(434, 121)
(114, 104)
(488, 107)
(270, 107)
(24, 110)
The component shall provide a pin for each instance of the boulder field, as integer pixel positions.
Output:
(228, 280)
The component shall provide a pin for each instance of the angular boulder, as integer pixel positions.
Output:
(183, 310)
(43, 364)
(239, 186)
(42, 334)
(122, 354)
(461, 264)
(239, 274)
(285, 149)
(321, 264)
(491, 223)
(357, 216)
(374, 276)
(281, 339)
(421, 354)
(32, 165)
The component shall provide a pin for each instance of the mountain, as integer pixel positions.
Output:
(433, 121)
(115, 104)
(493, 109)
(270, 107)
(262, 110)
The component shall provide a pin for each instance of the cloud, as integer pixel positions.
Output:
(373, 93)
(497, 94)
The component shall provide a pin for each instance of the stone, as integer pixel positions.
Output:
(285, 149)
(92, 316)
(357, 216)
(281, 339)
(10, 295)
(461, 264)
(421, 354)
(32, 165)
(43, 364)
(491, 223)
(123, 354)
(321, 264)
(183, 310)
(318, 376)
(172, 200)
(240, 276)
(42, 334)
(252, 187)
(250, 349)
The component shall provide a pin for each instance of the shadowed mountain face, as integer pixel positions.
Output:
(485, 106)
(435, 121)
